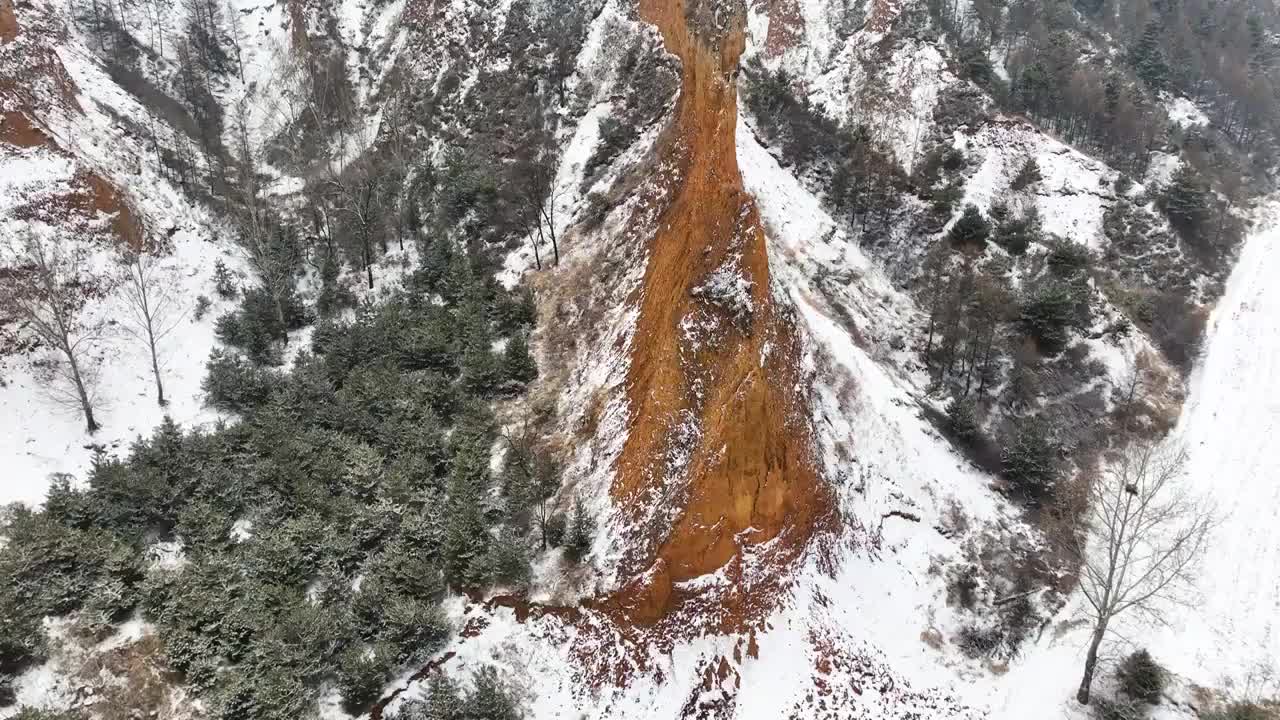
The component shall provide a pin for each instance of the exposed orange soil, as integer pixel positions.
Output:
(91, 193)
(720, 430)
(8, 21)
(17, 130)
(785, 27)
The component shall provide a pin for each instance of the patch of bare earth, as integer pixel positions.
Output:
(718, 461)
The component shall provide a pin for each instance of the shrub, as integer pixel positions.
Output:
(224, 283)
(1141, 678)
(1028, 175)
(1243, 710)
(233, 384)
(963, 588)
(615, 137)
(1029, 462)
(976, 641)
(1118, 709)
(27, 712)
(972, 229)
(1178, 327)
(203, 303)
(962, 419)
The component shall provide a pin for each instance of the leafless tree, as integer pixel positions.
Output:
(236, 36)
(537, 196)
(154, 309)
(355, 193)
(45, 287)
(1140, 542)
(537, 475)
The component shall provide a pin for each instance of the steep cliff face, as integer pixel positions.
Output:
(719, 457)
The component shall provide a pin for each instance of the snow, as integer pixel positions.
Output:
(1072, 196)
(37, 436)
(1184, 113)
(1229, 425)
(1162, 168)
(41, 437)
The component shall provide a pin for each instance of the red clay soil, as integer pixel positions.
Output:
(738, 399)
(785, 27)
(17, 130)
(8, 22)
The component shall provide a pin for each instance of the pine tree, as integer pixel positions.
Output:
(480, 370)
(224, 283)
(1186, 201)
(1147, 57)
(1029, 461)
(972, 229)
(580, 534)
(444, 702)
(1016, 234)
(508, 560)
(517, 364)
(962, 419)
(466, 535)
(1028, 175)
(490, 699)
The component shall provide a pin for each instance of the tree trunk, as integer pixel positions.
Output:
(367, 251)
(90, 423)
(1090, 664)
(155, 368)
(284, 328)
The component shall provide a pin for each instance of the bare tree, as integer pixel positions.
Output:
(1142, 538)
(154, 311)
(276, 256)
(537, 476)
(44, 289)
(237, 37)
(537, 198)
(355, 193)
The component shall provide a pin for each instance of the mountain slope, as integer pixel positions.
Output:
(806, 275)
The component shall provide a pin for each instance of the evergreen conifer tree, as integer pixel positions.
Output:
(480, 370)
(517, 363)
(1186, 200)
(444, 701)
(490, 699)
(466, 535)
(972, 229)
(1147, 57)
(580, 534)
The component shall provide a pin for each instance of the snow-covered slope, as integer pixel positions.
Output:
(84, 140)
(1230, 424)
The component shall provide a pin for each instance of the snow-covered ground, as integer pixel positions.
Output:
(1230, 423)
(39, 436)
